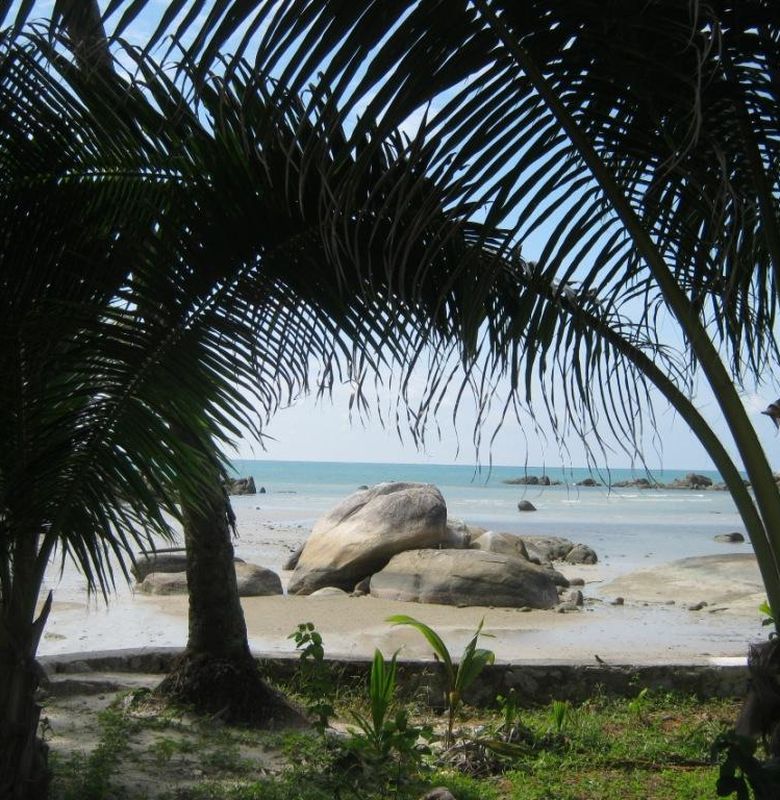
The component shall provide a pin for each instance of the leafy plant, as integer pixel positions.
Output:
(385, 742)
(769, 618)
(559, 713)
(315, 679)
(458, 677)
(638, 705)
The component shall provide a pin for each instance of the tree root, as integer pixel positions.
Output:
(231, 690)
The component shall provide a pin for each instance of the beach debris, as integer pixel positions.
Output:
(526, 505)
(566, 608)
(599, 659)
(618, 601)
(698, 606)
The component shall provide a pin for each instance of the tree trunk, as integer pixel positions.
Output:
(24, 773)
(217, 673)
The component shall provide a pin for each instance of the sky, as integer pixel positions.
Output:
(324, 429)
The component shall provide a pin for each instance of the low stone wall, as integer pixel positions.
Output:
(534, 683)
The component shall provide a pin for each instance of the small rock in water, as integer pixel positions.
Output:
(730, 538)
(698, 606)
(526, 505)
(618, 601)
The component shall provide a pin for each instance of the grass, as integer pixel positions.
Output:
(654, 749)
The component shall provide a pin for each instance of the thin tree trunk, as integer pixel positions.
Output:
(217, 673)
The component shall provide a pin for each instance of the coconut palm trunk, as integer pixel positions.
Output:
(23, 756)
(217, 673)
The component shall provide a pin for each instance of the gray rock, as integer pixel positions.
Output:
(252, 580)
(547, 548)
(362, 587)
(618, 601)
(262, 490)
(366, 530)
(459, 535)
(526, 505)
(588, 482)
(691, 481)
(635, 483)
(164, 583)
(581, 554)
(240, 485)
(255, 581)
(730, 538)
(439, 793)
(558, 578)
(698, 606)
(159, 562)
(464, 577)
(505, 544)
(566, 608)
(576, 581)
(576, 597)
(292, 561)
(329, 591)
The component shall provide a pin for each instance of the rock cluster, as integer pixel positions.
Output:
(394, 540)
(166, 573)
(692, 480)
(532, 480)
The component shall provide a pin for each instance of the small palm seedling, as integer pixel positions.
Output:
(458, 677)
(382, 740)
(638, 705)
(559, 714)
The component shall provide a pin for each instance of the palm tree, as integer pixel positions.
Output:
(173, 255)
(640, 138)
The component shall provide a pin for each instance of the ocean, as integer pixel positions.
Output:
(628, 528)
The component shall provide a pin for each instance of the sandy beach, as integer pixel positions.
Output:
(654, 624)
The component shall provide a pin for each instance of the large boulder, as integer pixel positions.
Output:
(158, 562)
(255, 581)
(464, 578)
(164, 583)
(505, 544)
(252, 580)
(361, 534)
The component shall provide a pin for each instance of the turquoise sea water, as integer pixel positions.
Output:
(628, 528)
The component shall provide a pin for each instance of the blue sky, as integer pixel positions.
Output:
(324, 430)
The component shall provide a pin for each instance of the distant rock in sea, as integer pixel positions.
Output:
(241, 485)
